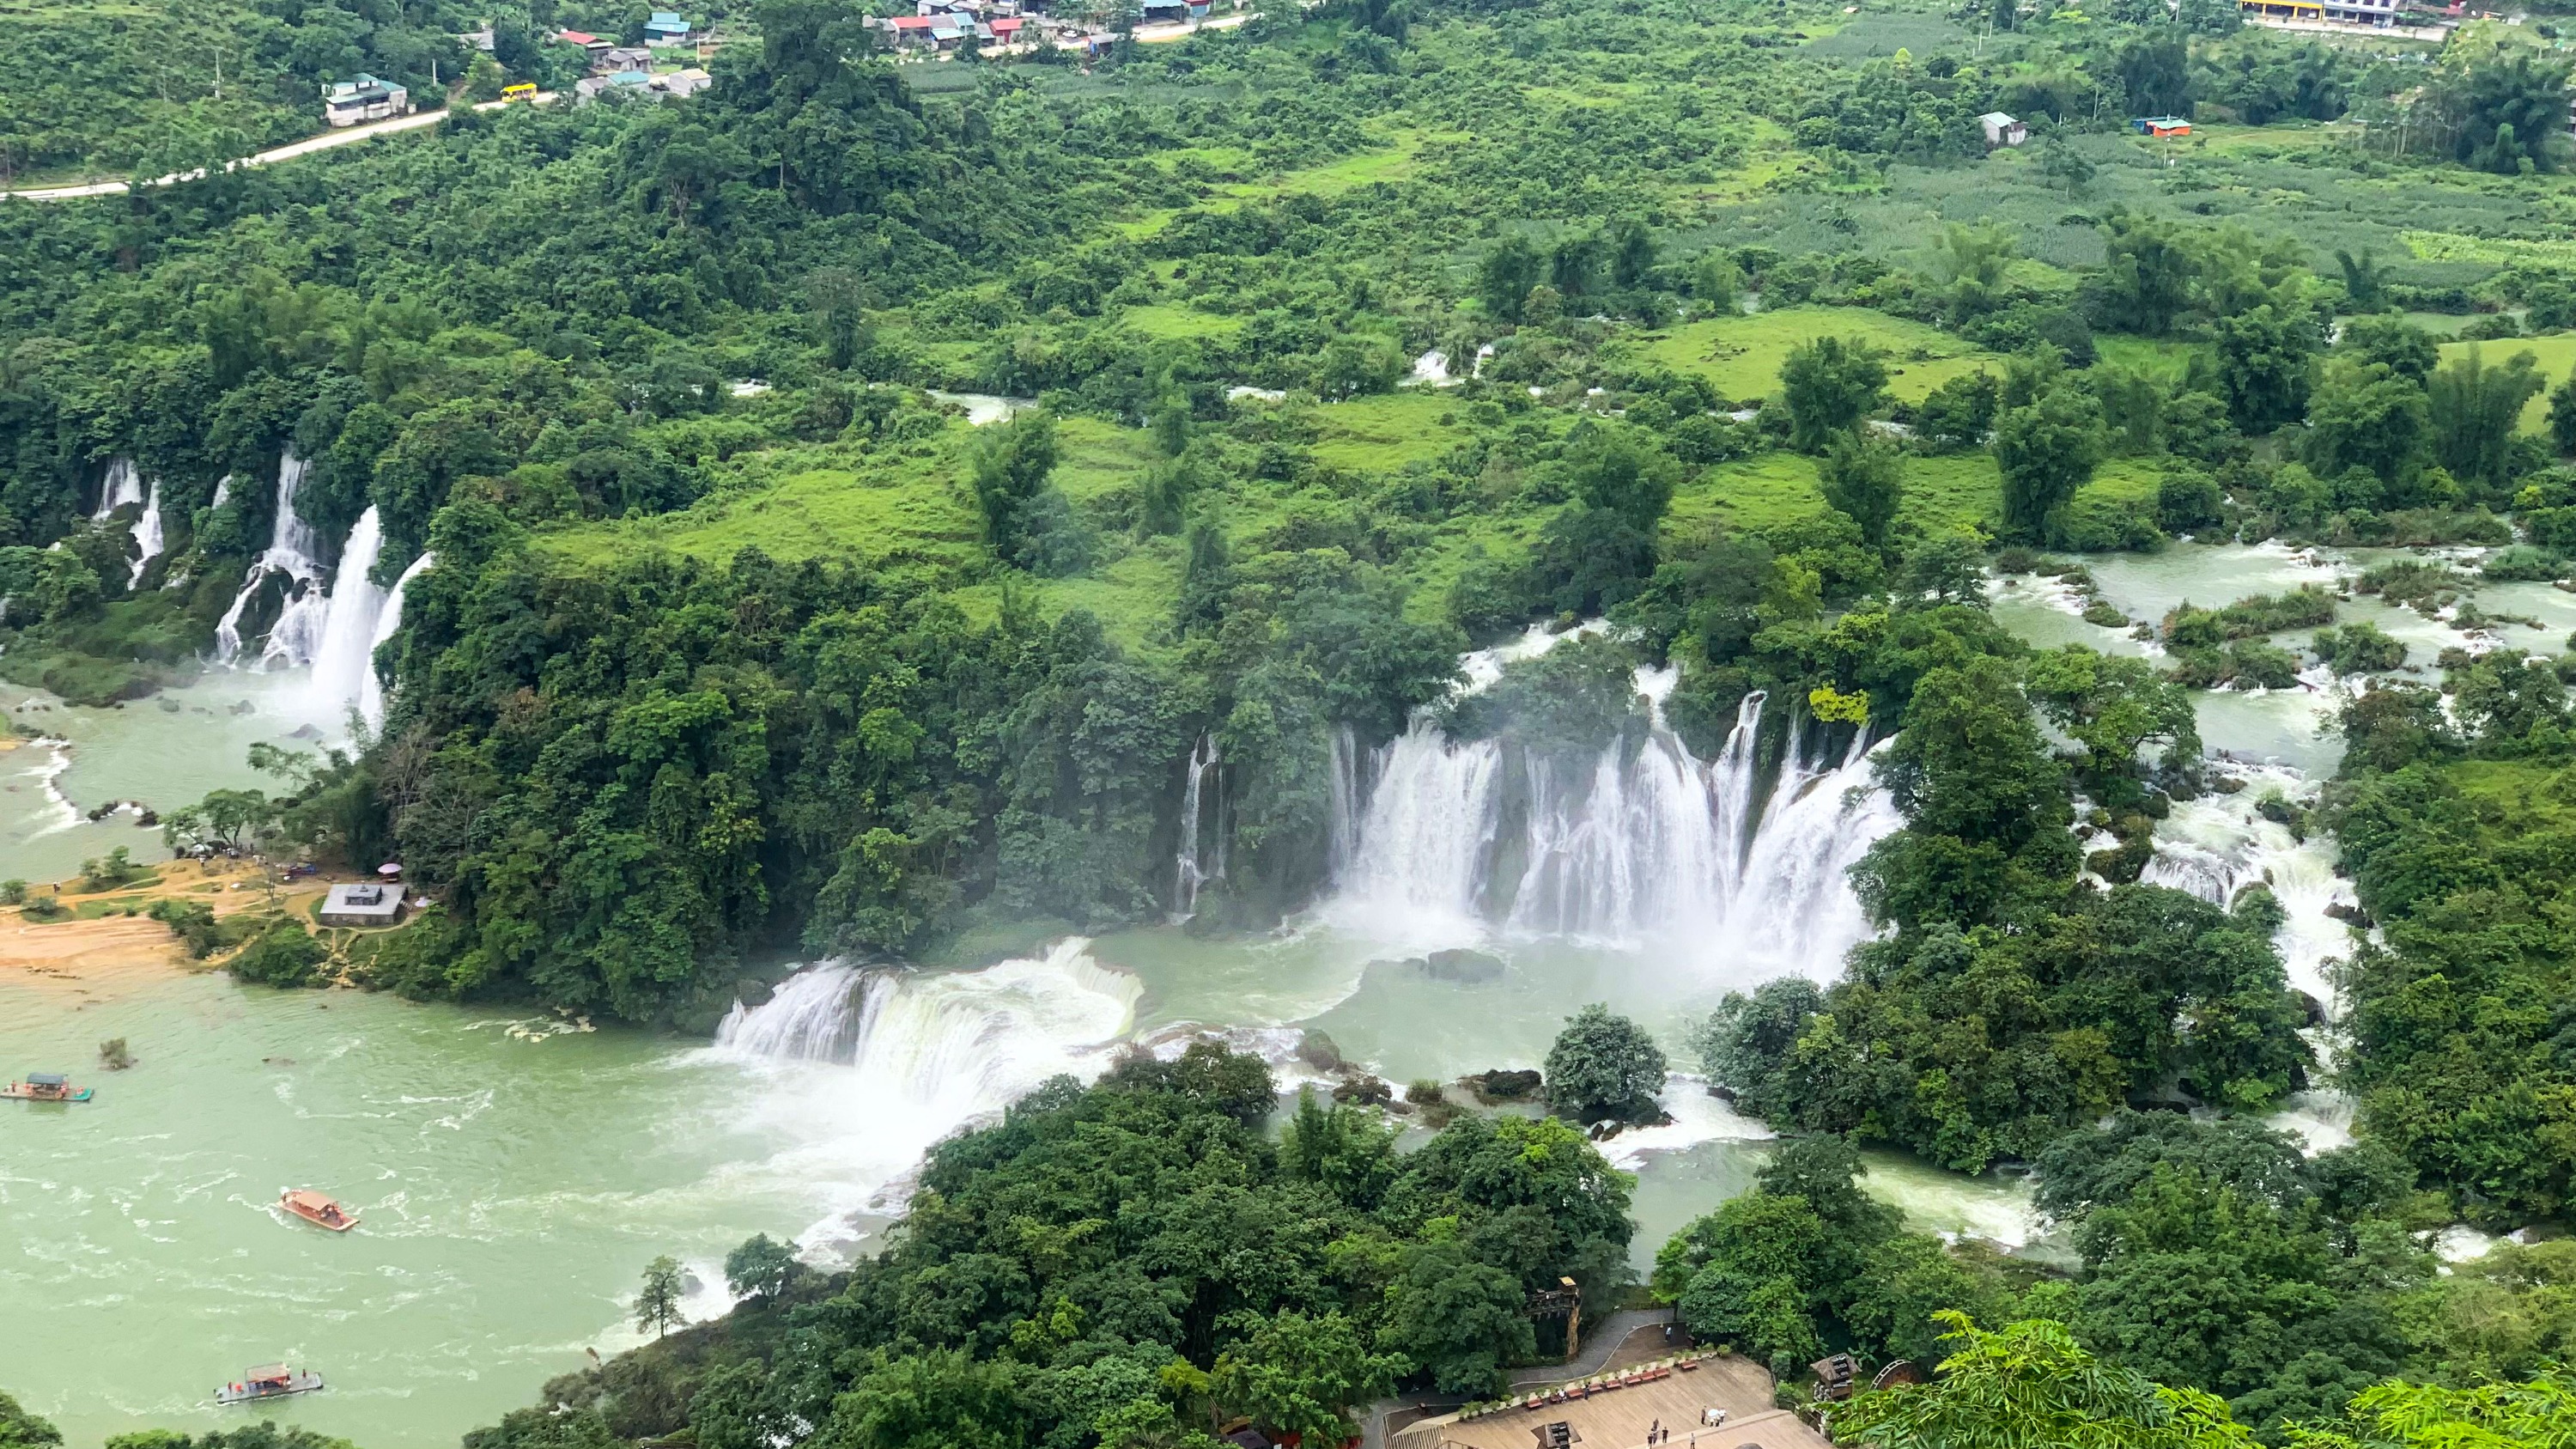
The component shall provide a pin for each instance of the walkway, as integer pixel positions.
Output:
(306, 147)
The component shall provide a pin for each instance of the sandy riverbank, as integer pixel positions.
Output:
(86, 953)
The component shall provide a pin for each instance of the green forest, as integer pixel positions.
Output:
(1337, 344)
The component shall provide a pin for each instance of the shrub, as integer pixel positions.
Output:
(1604, 1066)
(283, 955)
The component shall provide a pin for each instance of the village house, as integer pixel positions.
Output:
(665, 28)
(364, 98)
(624, 58)
(2002, 130)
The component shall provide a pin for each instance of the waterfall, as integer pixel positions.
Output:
(1192, 871)
(223, 491)
(147, 535)
(868, 1069)
(343, 657)
(123, 485)
(371, 689)
(1642, 842)
(2217, 845)
(291, 544)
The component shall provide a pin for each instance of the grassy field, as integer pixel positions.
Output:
(1741, 356)
(1383, 433)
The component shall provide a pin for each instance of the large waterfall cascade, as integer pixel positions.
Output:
(122, 485)
(334, 628)
(1645, 843)
(342, 660)
(872, 1067)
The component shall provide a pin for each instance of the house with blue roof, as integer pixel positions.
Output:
(665, 28)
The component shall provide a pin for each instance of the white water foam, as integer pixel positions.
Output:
(121, 486)
(1647, 844)
(371, 690)
(349, 612)
(866, 1070)
(148, 539)
(291, 545)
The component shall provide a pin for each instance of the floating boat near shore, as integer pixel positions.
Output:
(273, 1381)
(317, 1209)
(46, 1087)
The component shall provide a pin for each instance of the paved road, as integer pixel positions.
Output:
(306, 147)
(1599, 1342)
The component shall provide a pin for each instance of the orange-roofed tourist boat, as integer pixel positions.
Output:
(272, 1381)
(46, 1087)
(318, 1210)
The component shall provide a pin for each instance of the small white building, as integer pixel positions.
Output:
(2002, 130)
(365, 904)
(364, 98)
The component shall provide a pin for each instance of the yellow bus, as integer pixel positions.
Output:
(523, 91)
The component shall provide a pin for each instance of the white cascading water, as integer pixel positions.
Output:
(1191, 867)
(342, 659)
(148, 537)
(2217, 845)
(868, 1069)
(123, 485)
(371, 690)
(291, 545)
(1647, 844)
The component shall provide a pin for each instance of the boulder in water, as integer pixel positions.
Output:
(1317, 1050)
(305, 732)
(1472, 967)
(1504, 1084)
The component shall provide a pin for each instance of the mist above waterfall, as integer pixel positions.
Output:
(869, 1068)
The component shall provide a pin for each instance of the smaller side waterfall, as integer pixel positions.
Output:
(223, 491)
(371, 689)
(1192, 869)
(123, 485)
(349, 612)
(147, 535)
(291, 545)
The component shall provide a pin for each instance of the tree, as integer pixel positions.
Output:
(1632, 254)
(1744, 1044)
(2114, 706)
(1626, 473)
(1504, 278)
(2406, 349)
(1866, 480)
(1604, 1066)
(1958, 413)
(2367, 416)
(657, 1304)
(2562, 415)
(2031, 1383)
(1457, 1319)
(22, 1430)
(1026, 520)
(2512, 110)
(2046, 450)
(2148, 274)
(760, 1268)
(1301, 1375)
(225, 820)
(2402, 1415)
(2266, 364)
(1715, 280)
(2155, 69)
(2474, 410)
(483, 79)
(1829, 386)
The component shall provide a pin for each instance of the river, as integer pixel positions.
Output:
(514, 1175)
